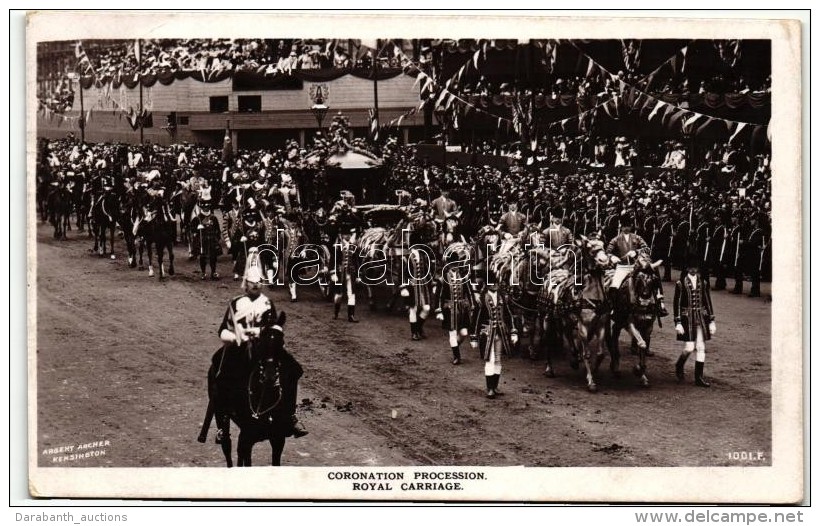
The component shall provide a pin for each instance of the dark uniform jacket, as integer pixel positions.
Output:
(207, 237)
(693, 308)
(494, 319)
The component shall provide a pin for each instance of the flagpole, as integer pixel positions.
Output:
(139, 79)
(376, 86)
(82, 110)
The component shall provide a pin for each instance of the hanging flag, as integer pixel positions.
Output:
(738, 129)
(227, 146)
(657, 108)
(688, 123)
(374, 124)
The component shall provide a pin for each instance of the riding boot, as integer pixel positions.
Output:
(351, 314)
(490, 390)
(496, 381)
(420, 328)
(414, 331)
(337, 307)
(456, 355)
(297, 430)
(679, 366)
(699, 380)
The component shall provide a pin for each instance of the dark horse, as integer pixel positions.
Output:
(251, 385)
(636, 312)
(59, 210)
(104, 220)
(158, 230)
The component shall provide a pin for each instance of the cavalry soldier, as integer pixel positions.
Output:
(206, 231)
(456, 302)
(345, 274)
(694, 318)
(625, 247)
(241, 325)
(497, 333)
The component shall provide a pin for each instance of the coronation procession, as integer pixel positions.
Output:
(472, 252)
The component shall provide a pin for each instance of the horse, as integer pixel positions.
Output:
(158, 230)
(247, 386)
(182, 206)
(82, 204)
(387, 247)
(59, 210)
(288, 240)
(104, 219)
(636, 311)
(587, 310)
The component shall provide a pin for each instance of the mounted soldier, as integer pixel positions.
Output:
(246, 317)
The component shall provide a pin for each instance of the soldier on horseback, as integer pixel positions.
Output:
(242, 324)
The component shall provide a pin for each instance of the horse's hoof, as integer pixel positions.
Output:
(141, 267)
(644, 382)
(171, 271)
(549, 372)
(637, 371)
(649, 353)
(113, 256)
(150, 273)
(592, 388)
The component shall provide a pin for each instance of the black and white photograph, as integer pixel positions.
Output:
(480, 259)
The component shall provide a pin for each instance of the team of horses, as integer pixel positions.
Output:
(567, 311)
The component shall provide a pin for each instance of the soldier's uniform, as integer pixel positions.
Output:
(206, 231)
(738, 252)
(344, 275)
(512, 222)
(250, 234)
(456, 305)
(246, 316)
(694, 319)
(626, 246)
(497, 334)
(557, 235)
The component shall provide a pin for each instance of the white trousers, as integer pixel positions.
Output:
(493, 365)
(699, 345)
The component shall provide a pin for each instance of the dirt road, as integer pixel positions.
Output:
(123, 358)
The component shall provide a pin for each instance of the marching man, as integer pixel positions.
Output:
(456, 302)
(497, 334)
(206, 230)
(345, 274)
(694, 319)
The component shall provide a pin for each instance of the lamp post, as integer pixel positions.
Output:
(319, 108)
